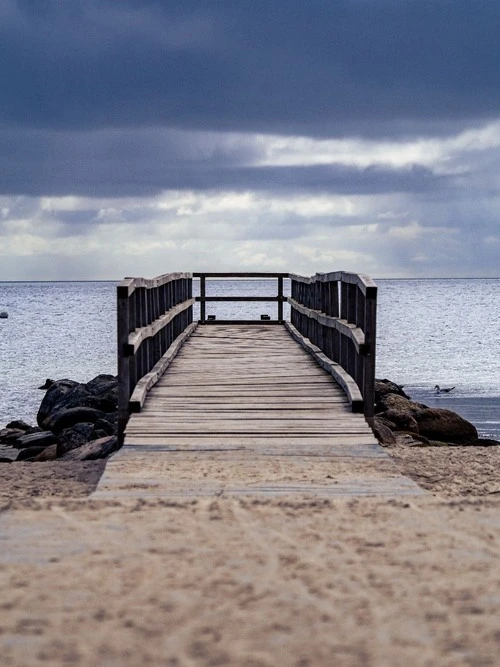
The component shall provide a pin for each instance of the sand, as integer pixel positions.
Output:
(250, 581)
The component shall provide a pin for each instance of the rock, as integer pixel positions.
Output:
(106, 426)
(71, 438)
(4, 459)
(104, 384)
(100, 403)
(17, 423)
(55, 399)
(48, 454)
(483, 442)
(398, 403)
(42, 439)
(29, 453)
(383, 433)
(9, 435)
(101, 394)
(4, 315)
(112, 417)
(47, 384)
(384, 387)
(403, 421)
(68, 417)
(97, 449)
(444, 425)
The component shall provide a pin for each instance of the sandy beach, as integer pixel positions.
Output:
(251, 581)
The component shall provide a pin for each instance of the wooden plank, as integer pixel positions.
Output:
(284, 443)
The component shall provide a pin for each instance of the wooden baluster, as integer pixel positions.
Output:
(370, 338)
(343, 300)
(334, 299)
(124, 326)
(360, 309)
(202, 300)
(190, 296)
(280, 297)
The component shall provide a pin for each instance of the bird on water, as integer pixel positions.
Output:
(444, 390)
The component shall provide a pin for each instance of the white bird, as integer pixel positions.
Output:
(444, 390)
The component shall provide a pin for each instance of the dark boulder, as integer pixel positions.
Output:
(55, 399)
(47, 384)
(106, 426)
(103, 385)
(384, 387)
(19, 424)
(444, 425)
(112, 417)
(380, 419)
(97, 449)
(68, 417)
(483, 442)
(397, 403)
(383, 433)
(101, 403)
(10, 435)
(4, 459)
(101, 394)
(29, 453)
(48, 454)
(71, 438)
(403, 421)
(42, 439)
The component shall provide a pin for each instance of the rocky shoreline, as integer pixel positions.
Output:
(79, 422)
(76, 421)
(399, 419)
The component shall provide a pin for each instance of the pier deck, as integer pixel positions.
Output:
(243, 409)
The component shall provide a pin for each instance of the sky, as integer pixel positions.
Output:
(139, 137)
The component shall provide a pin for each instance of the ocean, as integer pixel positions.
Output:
(444, 332)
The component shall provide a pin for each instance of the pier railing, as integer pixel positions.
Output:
(333, 315)
(155, 316)
(204, 299)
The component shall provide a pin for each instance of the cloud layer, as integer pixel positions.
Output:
(136, 137)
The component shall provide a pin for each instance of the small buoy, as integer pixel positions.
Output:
(4, 315)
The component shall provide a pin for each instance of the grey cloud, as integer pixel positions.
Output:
(144, 163)
(317, 68)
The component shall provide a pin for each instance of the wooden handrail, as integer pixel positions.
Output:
(280, 298)
(333, 315)
(153, 316)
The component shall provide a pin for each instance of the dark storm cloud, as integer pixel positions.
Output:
(142, 163)
(316, 68)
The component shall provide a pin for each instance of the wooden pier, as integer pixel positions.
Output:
(238, 398)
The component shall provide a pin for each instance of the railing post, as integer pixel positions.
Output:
(125, 324)
(202, 299)
(280, 297)
(370, 339)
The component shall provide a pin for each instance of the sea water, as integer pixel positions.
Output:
(444, 332)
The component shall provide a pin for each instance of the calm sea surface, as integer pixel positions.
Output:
(430, 332)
